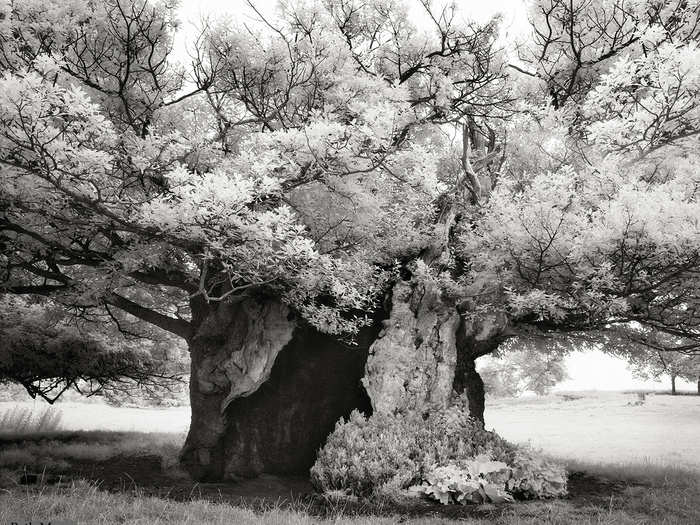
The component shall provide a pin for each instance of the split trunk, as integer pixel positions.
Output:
(266, 389)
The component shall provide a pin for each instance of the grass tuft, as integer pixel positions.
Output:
(646, 472)
(21, 421)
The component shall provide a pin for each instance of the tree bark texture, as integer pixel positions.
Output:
(411, 364)
(477, 336)
(426, 352)
(473, 387)
(266, 390)
(673, 385)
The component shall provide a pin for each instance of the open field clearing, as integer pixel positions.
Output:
(604, 427)
(628, 465)
(596, 427)
(98, 416)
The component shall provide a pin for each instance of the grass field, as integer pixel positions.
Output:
(604, 427)
(600, 426)
(631, 465)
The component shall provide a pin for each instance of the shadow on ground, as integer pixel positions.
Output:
(145, 475)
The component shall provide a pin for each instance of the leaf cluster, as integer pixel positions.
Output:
(390, 453)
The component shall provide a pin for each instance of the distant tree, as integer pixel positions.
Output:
(49, 353)
(651, 364)
(515, 369)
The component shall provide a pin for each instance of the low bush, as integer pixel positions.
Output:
(478, 480)
(535, 477)
(444, 455)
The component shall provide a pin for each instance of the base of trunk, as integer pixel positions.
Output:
(474, 388)
(278, 427)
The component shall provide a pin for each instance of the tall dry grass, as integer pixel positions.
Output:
(21, 421)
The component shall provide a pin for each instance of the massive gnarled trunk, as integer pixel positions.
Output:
(411, 365)
(427, 350)
(266, 389)
(477, 336)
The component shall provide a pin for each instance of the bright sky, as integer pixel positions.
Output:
(192, 11)
(594, 370)
(513, 10)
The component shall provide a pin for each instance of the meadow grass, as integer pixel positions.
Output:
(649, 488)
(604, 426)
(55, 450)
(649, 493)
(668, 497)
(84, 503)
(19, 420)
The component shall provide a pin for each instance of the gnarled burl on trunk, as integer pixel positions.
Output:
(426, 352)
(266, 389)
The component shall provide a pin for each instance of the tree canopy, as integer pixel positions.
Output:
(319, 155)
(47, 352)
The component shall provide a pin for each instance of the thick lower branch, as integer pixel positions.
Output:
(42, 289)
(163, 278)
(171, 324)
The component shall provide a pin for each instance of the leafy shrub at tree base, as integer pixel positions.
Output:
(444, 455)
(478, 480)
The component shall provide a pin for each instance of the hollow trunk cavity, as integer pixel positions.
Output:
(266, 390)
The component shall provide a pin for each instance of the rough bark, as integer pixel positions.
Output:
(474, 389)
(477, 336)
(412, 363)
(266, 391)
(279, 429)
(231, 353)
(427, 351)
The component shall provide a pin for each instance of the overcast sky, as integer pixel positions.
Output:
(192, 11)
(513, 10)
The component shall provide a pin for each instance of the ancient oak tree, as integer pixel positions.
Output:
(341, 206)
